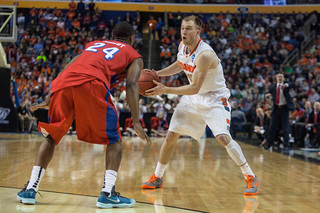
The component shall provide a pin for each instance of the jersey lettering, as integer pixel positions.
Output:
(94, 47)
(187, 67)
(109, 52)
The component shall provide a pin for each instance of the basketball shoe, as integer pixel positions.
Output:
(114, 200)
(153, 182)
(252, 185)
(27, 196)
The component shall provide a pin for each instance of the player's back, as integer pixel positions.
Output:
(103, 60)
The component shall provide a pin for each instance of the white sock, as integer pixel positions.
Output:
(36, 176)
(246, 169)
(160, 169)
(235, 152)
(110, 178)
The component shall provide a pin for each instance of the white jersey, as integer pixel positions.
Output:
(214, 80)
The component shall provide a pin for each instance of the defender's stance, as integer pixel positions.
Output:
(82, 92)
(205, 101)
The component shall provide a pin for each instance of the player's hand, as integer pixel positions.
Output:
(157, 90)
(43, 105)
(34, 107)
(142, 134)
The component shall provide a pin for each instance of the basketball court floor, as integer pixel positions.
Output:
(201, 177)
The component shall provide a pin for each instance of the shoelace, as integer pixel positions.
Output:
(152, 177)
(118, 195)
(249, 181)
(25, 189)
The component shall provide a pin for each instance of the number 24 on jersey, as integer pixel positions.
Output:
(109, 52)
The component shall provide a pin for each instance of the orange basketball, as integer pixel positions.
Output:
(145, 81)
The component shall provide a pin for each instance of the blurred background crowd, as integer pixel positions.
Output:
(252, 48)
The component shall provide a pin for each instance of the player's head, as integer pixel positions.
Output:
(190, 29)
(123, 31)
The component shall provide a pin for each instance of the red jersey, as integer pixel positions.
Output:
(102, 60)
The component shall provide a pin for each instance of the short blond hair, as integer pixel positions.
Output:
(195, 19)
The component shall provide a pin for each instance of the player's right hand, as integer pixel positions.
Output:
(142, 134)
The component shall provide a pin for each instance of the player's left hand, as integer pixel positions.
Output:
(141, 133)
(157, 90)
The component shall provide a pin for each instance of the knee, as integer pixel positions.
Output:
(223, 139)
(116, 147)
(50, 140)
(172, 138)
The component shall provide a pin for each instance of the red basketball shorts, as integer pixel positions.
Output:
(91, 106)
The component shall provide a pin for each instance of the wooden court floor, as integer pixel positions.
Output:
(201, 177)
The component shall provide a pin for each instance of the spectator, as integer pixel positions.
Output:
(259, 124)
(238, 119)
(152, 24)
(314, 96)
(127, 18)
(25, 117)
(91, 7)
(159, 125)
(80, 8)
(313, 127)
(72, 5)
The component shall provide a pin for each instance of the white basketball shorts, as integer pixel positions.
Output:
(194, 112)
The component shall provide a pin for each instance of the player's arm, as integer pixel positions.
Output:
(132, 91)
(203, 62)
(44, 105)
(173, 69)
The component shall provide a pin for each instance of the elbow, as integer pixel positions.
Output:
(130, 85)
(194, 90)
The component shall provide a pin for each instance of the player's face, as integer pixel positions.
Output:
(189, 32)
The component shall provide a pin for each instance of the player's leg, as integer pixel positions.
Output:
(235, 152)
(61, 112)
(44, 156)
(109, 198)
(218, 119)
(166, 151)
(185, 121)
(98, 123)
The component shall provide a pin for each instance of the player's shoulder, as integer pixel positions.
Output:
(180, 45)
(204, 46)
(207, 54)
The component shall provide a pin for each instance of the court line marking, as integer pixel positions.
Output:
(68, 193)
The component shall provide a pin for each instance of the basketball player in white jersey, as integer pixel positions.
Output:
(204, 102)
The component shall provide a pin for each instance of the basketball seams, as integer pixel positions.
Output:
(145, 81)
(155, 77)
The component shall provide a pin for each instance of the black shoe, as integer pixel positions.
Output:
(266, 146)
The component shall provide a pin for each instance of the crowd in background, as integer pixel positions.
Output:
(251, 47)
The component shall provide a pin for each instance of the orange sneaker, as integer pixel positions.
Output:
(153, 182)
(252, 185)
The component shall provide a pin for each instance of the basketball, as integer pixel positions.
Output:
(145, 81)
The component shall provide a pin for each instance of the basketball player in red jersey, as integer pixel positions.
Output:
(82, 92)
